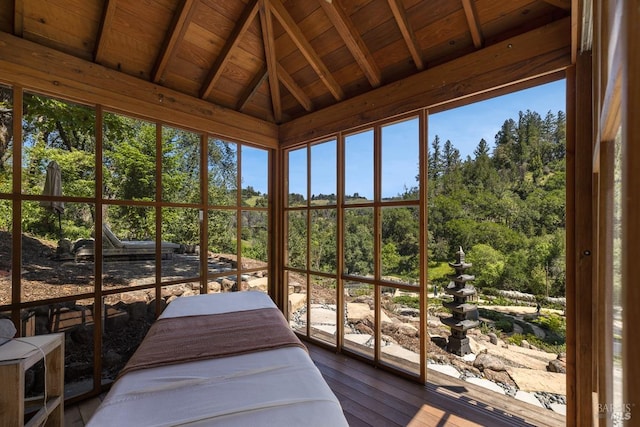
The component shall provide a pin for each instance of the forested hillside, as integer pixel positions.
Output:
(505, 206)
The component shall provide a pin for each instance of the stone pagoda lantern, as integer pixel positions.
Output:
(465, 315)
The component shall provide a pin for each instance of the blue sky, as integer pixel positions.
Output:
(463, 126)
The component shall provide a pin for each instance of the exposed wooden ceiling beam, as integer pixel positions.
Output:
(242, 24)
(266, 23)
(252, 88)
(78, 80)
(539, 52)
(352, 40)
(312, 57)
(472, 21)
(288, 82)
(108, 11)
(407, 32)
(562, 4)
(18, 18)
(174, 34)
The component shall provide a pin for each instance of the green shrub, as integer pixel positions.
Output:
(407, 300)
(504, 325)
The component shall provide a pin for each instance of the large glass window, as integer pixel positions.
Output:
(146, 212)
(375, 231)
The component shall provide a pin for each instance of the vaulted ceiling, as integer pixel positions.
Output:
(275, 60)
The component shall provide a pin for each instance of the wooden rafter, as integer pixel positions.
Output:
(307, 50)
(407, 32)
(108, 12)
(252, 88)
(472, 21)
(562, 4)
(288, 82)
(539, 52)
(175, 33)
(242, 24)
(352, 40)
(18, 17)
(270, 54)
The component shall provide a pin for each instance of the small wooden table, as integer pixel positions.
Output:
(16, 357)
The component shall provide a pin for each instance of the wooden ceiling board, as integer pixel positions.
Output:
(229, 9)
(353, 6)
(426, 14)
(6, 15)
(132, 59)
(449, 31)
(519, 21)
(180, 83)
(71, 31)
(331, 50)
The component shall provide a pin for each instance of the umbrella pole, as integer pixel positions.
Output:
(60, 225)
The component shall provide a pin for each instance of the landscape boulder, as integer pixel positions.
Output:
(486, 361)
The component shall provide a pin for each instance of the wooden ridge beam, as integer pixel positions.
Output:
(176, 32)
(408, 35)
(305, 47)
(352, 40)
(31, 65)
(270, 55)
(242, 25)
(539, 52)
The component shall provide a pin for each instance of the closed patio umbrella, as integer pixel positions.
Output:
(53, 187)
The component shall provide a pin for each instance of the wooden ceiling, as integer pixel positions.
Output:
(275, 60)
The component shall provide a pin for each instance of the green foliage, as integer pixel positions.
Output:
(505, 206)
(505, 325)
(407, 301)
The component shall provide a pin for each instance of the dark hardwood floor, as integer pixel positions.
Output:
(374, 397)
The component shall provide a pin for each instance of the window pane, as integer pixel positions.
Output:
(223, 172)
(400, 321)
(323, 309)
(358, 242)
(297, 182)
(127, 319)
(49, 269)
(254, 239)
(61, 132)
(297, 239)
(297, 285)
(6, 139)
(129, 158)
(75, 320)
(128, 246)
(400, 248)
(180, 247)
(618, 325)
(400, 160)
(323, 240)
(358, 180)
(323, 173)
(180, 166)
(359, 318)
(6, 254)
(223, 236)
(255, 176)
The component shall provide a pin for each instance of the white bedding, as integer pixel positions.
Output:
(269, 388)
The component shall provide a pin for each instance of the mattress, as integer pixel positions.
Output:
(280, 387)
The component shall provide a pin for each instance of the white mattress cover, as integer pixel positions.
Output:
(277, 387)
